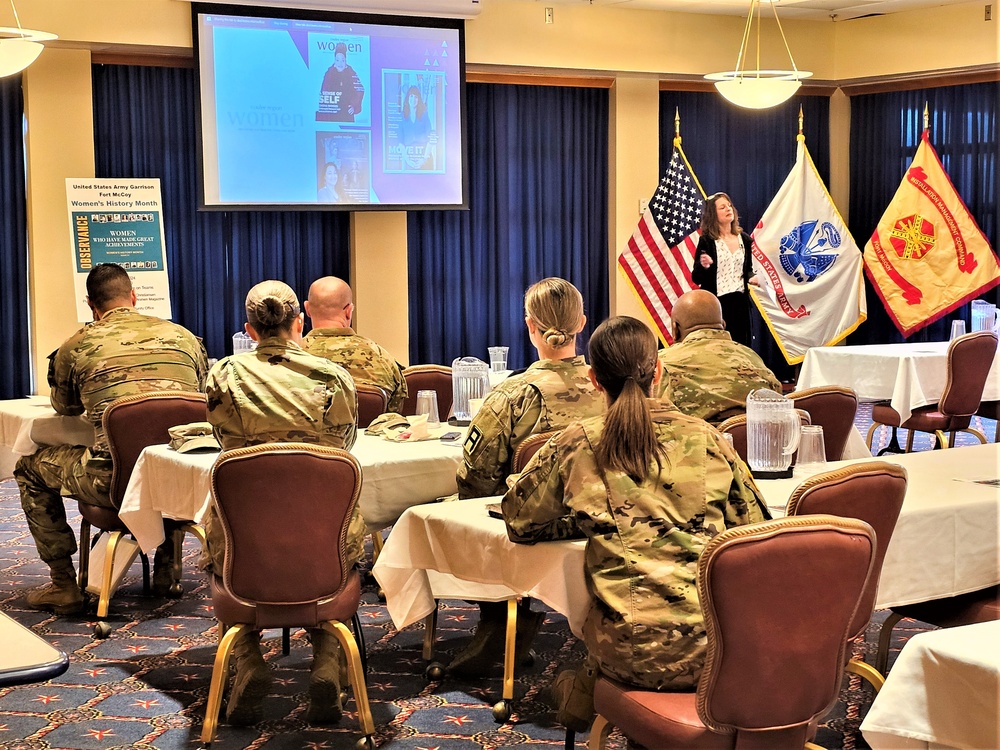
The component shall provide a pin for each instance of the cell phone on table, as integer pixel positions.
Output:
(494, 510)
(451, 436)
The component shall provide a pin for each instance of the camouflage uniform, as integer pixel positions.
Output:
(547, 396)
(645, 625)
(123, 354)
(279, 393)
(708, 375)
(367, 362)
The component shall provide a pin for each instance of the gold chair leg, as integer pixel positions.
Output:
(866, 671)
(220, 671)
(430, 635)
(108, 573)
(871, 434)
(599, 733)
(980, 436)
(508, 651)
(196, 530)
(350, 647)
(909, 440)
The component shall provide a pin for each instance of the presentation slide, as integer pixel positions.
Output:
(305, 112)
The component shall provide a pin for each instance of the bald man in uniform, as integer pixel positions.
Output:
(705, 373)
(330, 308)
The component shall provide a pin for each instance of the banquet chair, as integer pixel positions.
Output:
(950, 612)
(132, 423)
(991, 410)
(285, 509)
(373, 400)
(428, 378)
(872, 492)
(757, 690)
(737, 427)
(833, 407)
(528, 448)
(969, 360)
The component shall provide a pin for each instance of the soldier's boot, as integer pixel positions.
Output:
(572, 692)
(324, 679)
(163, 569)
(486, 647)
(63, 595)
(252, 681)
(528, 624)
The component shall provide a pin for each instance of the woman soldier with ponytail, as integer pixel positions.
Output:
(647, 487)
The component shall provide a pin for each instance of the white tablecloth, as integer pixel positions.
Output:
(168, 484)
(943, 691)
(28, 423)
(946, 542)
(906, 375)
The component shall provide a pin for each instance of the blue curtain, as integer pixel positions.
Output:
(15, 374)
(747, 154)
(144, 126)
(885, 132)
(538, 197)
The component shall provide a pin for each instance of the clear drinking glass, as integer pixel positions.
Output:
(812, 449)
(957, 329)
(498, 358)
(427, 403)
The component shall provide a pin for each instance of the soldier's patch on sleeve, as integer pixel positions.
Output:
(472, 440)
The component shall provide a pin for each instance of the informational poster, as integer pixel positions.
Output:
(119, 221)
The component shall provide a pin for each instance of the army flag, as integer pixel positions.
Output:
(660, 253)
(808, 265)
(927, 255)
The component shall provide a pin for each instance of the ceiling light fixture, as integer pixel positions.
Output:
(19, 47)
(758, 89)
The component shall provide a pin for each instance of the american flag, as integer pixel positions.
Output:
(660, 253)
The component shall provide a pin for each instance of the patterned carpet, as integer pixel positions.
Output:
(144, 688)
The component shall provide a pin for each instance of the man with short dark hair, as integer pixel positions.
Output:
(121, 353)
(705, 373)
(330, 308)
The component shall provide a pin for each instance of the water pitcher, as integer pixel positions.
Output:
(773, 428)
(470, 378)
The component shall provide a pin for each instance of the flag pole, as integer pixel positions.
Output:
(927, 118)
(800, 138)
(677, 127)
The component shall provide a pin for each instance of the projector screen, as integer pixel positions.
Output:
(317, 110)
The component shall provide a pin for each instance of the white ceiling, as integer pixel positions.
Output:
(810, 10)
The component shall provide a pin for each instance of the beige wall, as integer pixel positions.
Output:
(59, 108)
(636, 48)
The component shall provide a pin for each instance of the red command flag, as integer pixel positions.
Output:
(928, 256)
(660, 253)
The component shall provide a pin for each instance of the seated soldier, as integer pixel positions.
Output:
(707, 374)
(330, 308)
(550, 394)
(122, 353)
(647, 487)
(280, 393)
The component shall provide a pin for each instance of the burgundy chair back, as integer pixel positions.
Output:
(285, 510)
(428, 378)
(132, 423)
(834, 408)
(969, 360)
(779, 598)
(372, 401)
(528, 448)
(873, 492)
